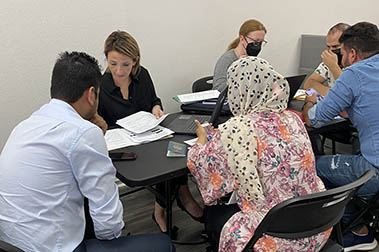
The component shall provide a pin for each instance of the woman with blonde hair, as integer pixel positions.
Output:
(126, 88)
(250, 41)
(263, 154)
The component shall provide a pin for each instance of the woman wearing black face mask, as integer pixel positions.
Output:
(249, 43)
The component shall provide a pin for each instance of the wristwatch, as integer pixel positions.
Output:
(314, 103)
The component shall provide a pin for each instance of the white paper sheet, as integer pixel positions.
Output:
(191, 141)
(117, 138)
(150, 135)
(140, 122)
(120, 138)
(198, 96)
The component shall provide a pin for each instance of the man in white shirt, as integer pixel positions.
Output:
(322, 79)
(54, 159)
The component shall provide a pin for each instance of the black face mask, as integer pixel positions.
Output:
(253, 48)
(339, 55)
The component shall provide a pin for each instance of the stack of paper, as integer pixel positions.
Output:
(140, 122)
(138, 128)
(119, 138)
(198, 96)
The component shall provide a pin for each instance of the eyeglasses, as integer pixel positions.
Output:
(256, 42)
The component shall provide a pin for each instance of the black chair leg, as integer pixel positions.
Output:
(339, 236)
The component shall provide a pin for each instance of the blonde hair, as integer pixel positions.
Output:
(122, 42)
(247, 27)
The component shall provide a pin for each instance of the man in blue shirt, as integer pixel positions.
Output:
(355, 94)
(54, 159)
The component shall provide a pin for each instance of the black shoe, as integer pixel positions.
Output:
(174, 229)
(200, 219)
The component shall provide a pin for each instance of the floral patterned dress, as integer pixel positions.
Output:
(286, 169)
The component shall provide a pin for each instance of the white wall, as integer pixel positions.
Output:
(180, 40)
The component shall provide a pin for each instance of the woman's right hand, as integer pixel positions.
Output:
(201, 133)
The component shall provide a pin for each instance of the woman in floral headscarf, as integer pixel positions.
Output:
(263, 154)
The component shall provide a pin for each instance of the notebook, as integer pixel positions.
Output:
(294, 83)
(185, 124)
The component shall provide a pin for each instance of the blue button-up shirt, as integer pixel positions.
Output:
(50, 162)
(357, 92)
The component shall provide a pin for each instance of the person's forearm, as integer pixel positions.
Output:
(336, 71)
(307, 106)
(319, 87)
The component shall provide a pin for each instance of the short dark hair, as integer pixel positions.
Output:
(363, 37)
(73, 73)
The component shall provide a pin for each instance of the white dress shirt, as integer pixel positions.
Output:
(50, 162)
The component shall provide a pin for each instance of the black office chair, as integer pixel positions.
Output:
(308, 215)
(345, 135)
(367, 210)
(6, 247)
(202, 84)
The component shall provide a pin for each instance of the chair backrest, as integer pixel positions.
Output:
(6, 247)
(310, 52)
(307, 215)
(202, 84)
(219, 105)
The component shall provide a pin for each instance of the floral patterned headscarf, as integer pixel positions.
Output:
(253, 86)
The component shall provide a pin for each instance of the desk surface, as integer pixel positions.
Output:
(152, 166)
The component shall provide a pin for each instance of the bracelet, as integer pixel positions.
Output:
(314, 103)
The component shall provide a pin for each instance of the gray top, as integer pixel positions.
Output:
(222, 65)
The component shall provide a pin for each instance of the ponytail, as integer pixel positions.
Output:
(234, 44)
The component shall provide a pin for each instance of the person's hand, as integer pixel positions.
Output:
(312, 98)
(157, 111)
(344, 114)
(99, 121)
(242, 56)
(201, 133)
(329, 58)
